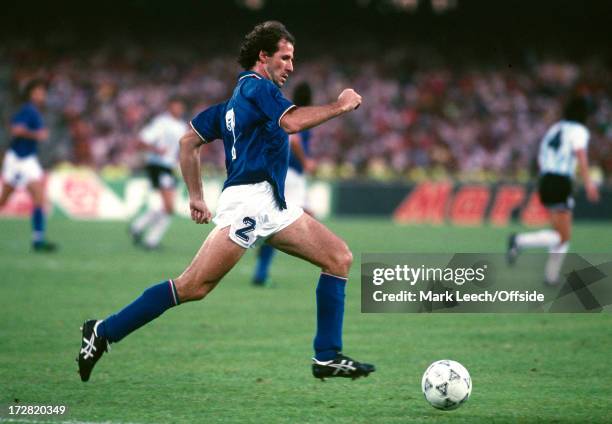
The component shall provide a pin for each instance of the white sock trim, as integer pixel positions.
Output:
(543, 238)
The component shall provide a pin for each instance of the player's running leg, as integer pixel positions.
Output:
(141, 223)
(215, 258)
(547, 238)
(160, 225)
(308, 239)
(39, 241)
(562, 223)
(7, 190)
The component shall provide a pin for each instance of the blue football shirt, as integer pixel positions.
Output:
(30, 118)
(256, 147)
(294, 162)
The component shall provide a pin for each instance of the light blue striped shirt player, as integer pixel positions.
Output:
(558, 148)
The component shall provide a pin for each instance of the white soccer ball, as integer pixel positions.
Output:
(446, 384)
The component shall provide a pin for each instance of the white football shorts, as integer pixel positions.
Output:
(252, 213)
(295, 188)
(19, 172)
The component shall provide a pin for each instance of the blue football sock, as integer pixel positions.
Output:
(330, 313)
(153, 302)
(264, 260)
(38, 225)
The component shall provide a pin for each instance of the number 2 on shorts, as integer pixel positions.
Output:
(241, 233)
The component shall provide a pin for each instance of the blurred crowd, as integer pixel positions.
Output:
(423, 116)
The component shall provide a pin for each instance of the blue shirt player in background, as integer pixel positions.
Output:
(253, 125)
(21, 168)
(300, 164)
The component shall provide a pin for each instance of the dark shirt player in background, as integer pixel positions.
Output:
(21, 168)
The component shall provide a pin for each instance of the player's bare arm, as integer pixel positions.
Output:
(189, 156)
(302, 118)
(583, 165)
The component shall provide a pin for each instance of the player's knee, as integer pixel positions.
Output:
(564, 235)
(347, 259)
(341, 261)
(38, 200)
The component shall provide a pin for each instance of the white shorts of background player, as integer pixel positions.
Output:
(19, 172)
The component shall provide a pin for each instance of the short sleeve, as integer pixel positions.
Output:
(271, 101)
(207, 124)
(151, 133)
(579, 138)
(28, 118)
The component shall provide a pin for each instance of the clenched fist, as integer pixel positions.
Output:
(349, 100)
(199, 212)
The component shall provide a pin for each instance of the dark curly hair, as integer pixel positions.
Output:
(576, 109)
(264, 37)
(26, 92)
(302, 94)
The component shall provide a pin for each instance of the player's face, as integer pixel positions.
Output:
(280, 64)
(177, 109)
(39, 95)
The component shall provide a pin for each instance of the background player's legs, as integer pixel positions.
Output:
(534, 239)
(37, 191)
(556, 240)
(308, 239)
(265, 255)
(159, 225)
(7, 190)
(142, 222)
(562, 223)
(215, 258)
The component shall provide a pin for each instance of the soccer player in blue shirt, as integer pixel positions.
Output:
(21, 168)
(300, 163)
(253, 125)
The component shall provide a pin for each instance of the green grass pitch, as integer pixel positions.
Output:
(243, 354)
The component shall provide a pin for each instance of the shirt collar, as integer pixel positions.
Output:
(247, 74)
